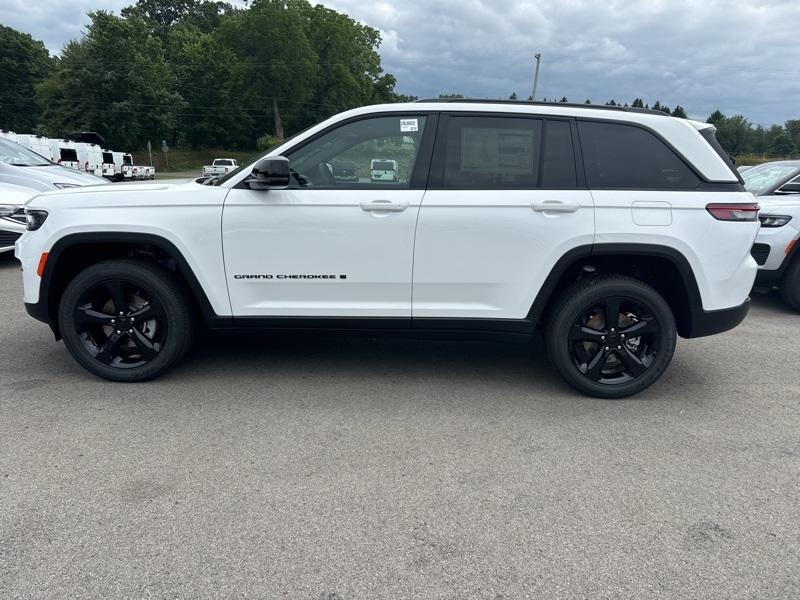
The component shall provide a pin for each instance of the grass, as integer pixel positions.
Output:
(757, 159)
(178, 160)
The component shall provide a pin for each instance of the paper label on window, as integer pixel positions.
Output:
(409, 125)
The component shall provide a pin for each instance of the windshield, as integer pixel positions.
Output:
(764, 178)
(223, 162)
(20, 156)
(378, 165)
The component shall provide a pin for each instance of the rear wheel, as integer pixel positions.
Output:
(611, 336)
(125, 320)
(790, 286)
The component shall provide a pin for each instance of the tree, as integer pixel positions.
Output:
(349, 73)
(563, 99)
(611, 102)
(24, 62)
(212, 115)
(679, 112)
(115, 81)
(453, 96)
(275, 67)
(588, 101)
(792, 127)
(657, 105)
(781, 145)
(637, 103)
(513, 96)
(161, 15)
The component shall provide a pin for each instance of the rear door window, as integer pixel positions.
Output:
(492, 153)
(618, 156)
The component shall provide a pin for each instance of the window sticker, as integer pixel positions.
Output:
(491, 149)
(407, 125)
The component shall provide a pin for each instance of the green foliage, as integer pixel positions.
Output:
(24, 62)
(679, 112)
(205, 73)
(267, 142)
(116, 81)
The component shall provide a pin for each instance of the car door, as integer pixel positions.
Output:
(335, 243)
(505, 203)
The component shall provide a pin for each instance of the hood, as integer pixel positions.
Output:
(779, 204)
(15, 194)
(44, 178)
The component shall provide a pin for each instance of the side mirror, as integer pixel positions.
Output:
(271, 173)
(793, 187)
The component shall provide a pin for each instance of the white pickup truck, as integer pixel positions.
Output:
(220, 167)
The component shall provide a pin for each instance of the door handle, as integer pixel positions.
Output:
(384, 206)
(554, 206)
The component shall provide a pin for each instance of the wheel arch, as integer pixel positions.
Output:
(664, 268)
(74, 252)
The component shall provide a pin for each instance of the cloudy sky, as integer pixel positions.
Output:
(738, 56)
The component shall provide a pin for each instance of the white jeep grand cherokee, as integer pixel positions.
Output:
(615, 229)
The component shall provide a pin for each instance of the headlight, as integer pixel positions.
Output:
(6, 210)
(35, 218)
(61, 186)
(773, 220)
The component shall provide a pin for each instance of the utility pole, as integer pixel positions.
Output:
(538, 57)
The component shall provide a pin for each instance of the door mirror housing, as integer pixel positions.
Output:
(793, 187)
(270, 173)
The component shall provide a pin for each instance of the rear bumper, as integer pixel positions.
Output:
(709, 322)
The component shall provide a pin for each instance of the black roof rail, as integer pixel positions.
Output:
(647, 111)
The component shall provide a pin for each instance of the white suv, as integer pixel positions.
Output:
(615, 229)
(777, 252)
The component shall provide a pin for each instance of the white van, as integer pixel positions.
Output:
(90, 157)
(111, 167)
(128, 170)
(383, 170)
(35, 143)
(65, 153)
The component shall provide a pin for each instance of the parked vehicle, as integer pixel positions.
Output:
(35, 143)
(776, 250)
(12, 218)
(345, 171)
(127, 166)
(8, 135)
(744, 168)
(111, 169)
(616, 245)
(220, 167)
(383, 170)
(65, 153)
(22, 167)
(90, 158)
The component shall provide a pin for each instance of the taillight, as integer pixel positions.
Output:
(734, 212)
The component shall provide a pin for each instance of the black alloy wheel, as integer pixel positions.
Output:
(120, 323)
(615, 340)
(126, 320)
(610, 336)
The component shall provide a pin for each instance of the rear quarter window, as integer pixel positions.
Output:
(619, 156)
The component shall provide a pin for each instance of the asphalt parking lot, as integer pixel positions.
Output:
(328, 468)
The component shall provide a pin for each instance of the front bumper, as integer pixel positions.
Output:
(709, 322)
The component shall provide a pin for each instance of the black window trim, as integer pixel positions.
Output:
(422, 161)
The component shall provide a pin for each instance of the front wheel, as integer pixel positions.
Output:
(610, 336)
(125, 320)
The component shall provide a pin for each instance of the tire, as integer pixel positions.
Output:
(790, 286)
(605, 364)
(123, 347)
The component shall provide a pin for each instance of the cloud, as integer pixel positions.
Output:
(738, 56)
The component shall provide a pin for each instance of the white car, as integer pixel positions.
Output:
(615, 245)
(220, 167)
(12, 219)
(22, 167)
(777, 251)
